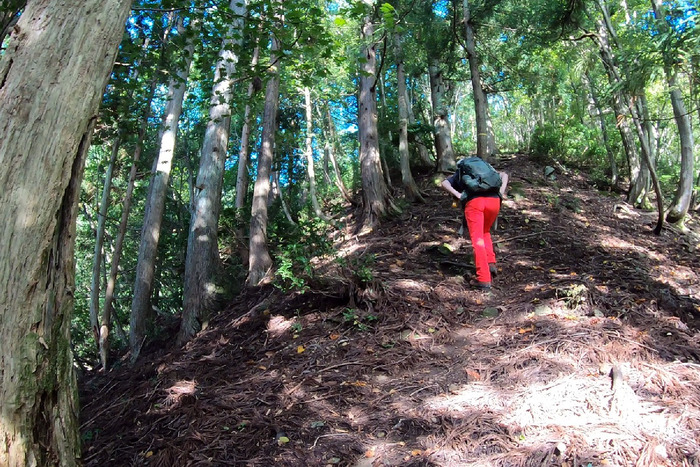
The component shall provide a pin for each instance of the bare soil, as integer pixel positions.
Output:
(585, 353)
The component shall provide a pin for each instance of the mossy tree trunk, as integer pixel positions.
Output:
(52, 77)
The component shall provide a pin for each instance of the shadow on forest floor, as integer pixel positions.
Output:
(584, 353)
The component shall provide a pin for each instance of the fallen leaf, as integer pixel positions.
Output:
(300, 349)
(334, 336)
(282, 440)
(416, 452)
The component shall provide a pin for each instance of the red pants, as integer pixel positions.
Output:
(481, 213)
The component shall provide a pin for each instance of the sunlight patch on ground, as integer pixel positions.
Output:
(617, 244)
(536, 215)
(410, 285)
(278, 325)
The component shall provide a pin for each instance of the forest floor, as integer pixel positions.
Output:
(585, 353)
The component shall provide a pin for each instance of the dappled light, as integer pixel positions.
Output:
(585, 351)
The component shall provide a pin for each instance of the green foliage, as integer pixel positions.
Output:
(358, 268)
(293, 248)
(357, 319)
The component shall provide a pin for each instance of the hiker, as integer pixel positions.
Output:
(480, 188)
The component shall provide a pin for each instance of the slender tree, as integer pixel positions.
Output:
(260, 261)
(99, 243)
(155, 204)
(684, 193)
(480, 102)
(42, 153)
(309, 154)
(413, 194)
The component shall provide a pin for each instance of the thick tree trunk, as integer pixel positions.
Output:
(259, 260)
(412, 192)
(309, 153)
(99, 243)
(42, 153)
(202, 243)
(443, 139)
(141, 311)
(375, 194)
(480, 103)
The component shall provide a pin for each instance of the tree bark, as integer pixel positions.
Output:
(443, 139)
(260, 261)
(424, 154)
(202, 243)
(309, 153)
(242, 174)
(614, 174)
(141, 311)
(42, 154)
(334, 146)
(412, 192)
(375, 194)
(480, 102)
(99, 243)
(106, 317)
(684, 193)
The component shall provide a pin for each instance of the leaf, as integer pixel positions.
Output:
(300, 349)
(334, 336)
(340, 22)
(282, 440)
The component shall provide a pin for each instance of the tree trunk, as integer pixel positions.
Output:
(47, 114)
(242, 174)
(424, 154)
(309, 153)
(99, 243)
(107, 309)
(443, 140)
(620, 104)
(141, 312)
(375, 194)
(480, 103)
(684, 193)
(614, 175)
(413, 194)
(260, 261)
(202, 243)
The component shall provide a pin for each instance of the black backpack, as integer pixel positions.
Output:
(477, 176)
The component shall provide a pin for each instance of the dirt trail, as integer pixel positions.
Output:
(584, 353)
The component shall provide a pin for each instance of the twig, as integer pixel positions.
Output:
(517, 237)
(338, 366)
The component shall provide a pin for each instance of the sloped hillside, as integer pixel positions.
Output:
(586, 352)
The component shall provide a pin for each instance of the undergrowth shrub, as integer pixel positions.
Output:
(294, 246)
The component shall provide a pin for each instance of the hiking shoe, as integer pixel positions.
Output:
(493, 269)
(480, 285)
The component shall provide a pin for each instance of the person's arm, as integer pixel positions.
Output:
(447, 186)
(504, 184)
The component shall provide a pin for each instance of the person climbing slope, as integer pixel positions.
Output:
(480, 188)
